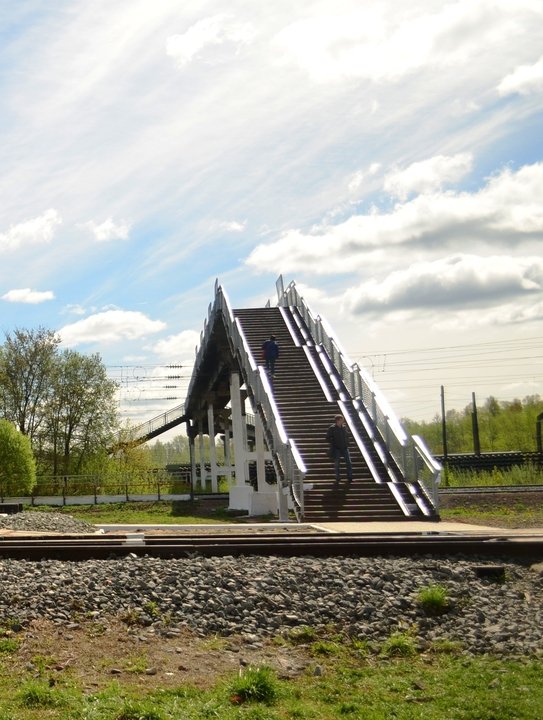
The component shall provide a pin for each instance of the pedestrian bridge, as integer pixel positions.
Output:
(275, 451)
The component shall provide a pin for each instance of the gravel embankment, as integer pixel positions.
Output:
(369, 598)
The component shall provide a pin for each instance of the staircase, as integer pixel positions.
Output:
(306, 414)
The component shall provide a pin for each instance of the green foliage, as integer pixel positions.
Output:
(39, 695)
(132, 710)
(434, 599)
(528, 474)
(302, 635)
(254, 685)
(503, 426)
(62, 401)
(400, 644)
(17, 464)
(8, 645)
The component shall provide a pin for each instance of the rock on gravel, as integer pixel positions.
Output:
(45, 522)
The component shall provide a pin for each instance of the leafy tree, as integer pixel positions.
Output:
(503, 426)
(26, 362)
(81, 415)
(17, 464)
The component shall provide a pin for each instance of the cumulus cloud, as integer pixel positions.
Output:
(457, 280)
(37, 231)
(205, 35)
(506, 211)
(180, 346)
(428, 175)
(109, 327)
(109, 230)
(524, 80)
(28, 296)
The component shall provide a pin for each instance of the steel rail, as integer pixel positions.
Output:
(490, 489)
(316, 544)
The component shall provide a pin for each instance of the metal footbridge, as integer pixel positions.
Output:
(280, 423)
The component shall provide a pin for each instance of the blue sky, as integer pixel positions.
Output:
(386, 156)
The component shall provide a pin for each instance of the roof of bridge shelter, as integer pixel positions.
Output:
(210, 381)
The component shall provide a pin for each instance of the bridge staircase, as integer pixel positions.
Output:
(307, 397)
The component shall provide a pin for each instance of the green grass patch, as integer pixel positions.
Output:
(517, 516)
(420, 686)
(254, 685)
(434, 599)
(8, 645)
(144, 513)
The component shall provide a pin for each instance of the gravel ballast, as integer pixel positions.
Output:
(367, 598)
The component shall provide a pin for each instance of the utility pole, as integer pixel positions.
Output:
(475, 426)
(444, 425)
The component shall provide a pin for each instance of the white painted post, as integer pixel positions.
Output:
(238, 431)
(202, 456)
(241, 492)
(227, 459)
(260, 458)
(212, 449)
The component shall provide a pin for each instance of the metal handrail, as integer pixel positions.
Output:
(410, 454)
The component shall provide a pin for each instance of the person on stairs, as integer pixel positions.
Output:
(338, 442)
(270, 353)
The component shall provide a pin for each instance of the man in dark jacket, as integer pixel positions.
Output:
(338, 441)
(270, 351)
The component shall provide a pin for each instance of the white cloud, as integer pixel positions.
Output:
(507, 211)
(74, 309)
(37, 231)
(428, 175)
(109, 230)
(28, 296)
(180, 346)
(109, 327)
(381, 47)
(230, 226)
(205, 34)
(356, 181)
(458, 280)
(524, 80)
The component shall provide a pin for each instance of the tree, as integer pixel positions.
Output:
(82, 414)
(26, 362)
(17, 464)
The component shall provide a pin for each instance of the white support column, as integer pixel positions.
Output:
(202, 456)
(238, 431)
(264, 501)
(227, 460)
(192, 455)
(260, 458)
(212, 450)
(240, 493)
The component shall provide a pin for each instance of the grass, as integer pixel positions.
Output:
(494, 515)
(517, 475)
(433, 599)
(145, 513)
(418, 686)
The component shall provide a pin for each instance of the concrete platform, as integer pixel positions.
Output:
(371, 528)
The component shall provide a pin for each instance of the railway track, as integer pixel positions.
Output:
(491, 490)
(85, 547)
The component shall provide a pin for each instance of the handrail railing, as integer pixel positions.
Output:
(410, 454)
(289, 466)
